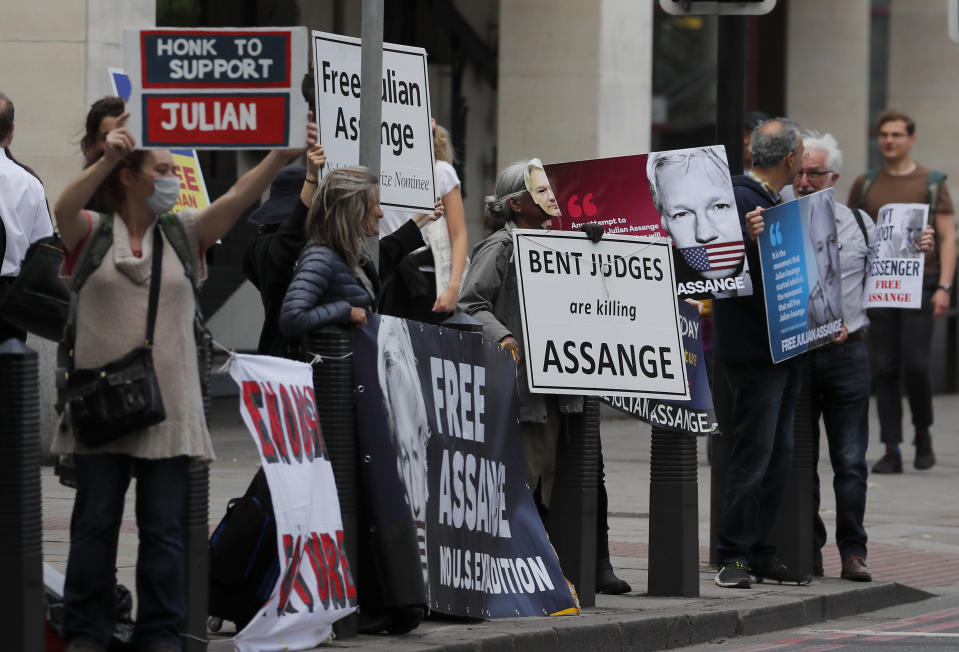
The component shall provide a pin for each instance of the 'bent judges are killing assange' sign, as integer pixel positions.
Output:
(799, 254)
(450, 518)
(896, 262)
(216, 88)
(686, 195)
(406, 134)
(599, 318)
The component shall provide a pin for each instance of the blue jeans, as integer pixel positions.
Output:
(762, 402)
(840, 393)
(102, 481)
(901, 343)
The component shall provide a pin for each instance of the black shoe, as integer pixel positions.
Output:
(734, 575)
(770, 568)
(607, 582)
(925, 458)
(889, 463)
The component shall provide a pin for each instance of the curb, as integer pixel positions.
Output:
(615, 630)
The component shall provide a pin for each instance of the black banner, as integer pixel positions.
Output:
(438, 418)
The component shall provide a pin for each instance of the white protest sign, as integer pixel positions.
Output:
(896, 263)
(406, 134)
(599, 318)
(217, 88)
(315, 587)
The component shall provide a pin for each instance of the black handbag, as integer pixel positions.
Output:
(123, 395)
(38, 300)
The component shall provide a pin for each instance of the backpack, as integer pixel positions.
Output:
(100, 241)
(244, 561)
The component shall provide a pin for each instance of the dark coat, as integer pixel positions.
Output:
(268, 263)
(739, 323)
(324, 288)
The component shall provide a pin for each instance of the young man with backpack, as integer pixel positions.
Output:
(902, 339)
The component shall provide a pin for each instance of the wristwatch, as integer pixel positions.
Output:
(947, 288)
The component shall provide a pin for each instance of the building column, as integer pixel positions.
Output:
(827, 77)
(575, 79)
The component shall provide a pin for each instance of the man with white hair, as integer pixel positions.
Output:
(840, 371)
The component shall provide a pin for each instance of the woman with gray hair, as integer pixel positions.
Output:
(490, 295)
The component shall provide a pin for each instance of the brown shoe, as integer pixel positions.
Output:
(854, 568)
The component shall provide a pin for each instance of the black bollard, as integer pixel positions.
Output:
(196, 548)
(572, 527)
(21, 560)
(673, 516)
(195, 523)
(333, 385)
(792, 533)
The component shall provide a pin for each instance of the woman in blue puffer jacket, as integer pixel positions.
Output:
(335, 281)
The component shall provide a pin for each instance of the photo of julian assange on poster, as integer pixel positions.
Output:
(693, 194)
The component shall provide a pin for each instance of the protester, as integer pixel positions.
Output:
(335, 281)
(23, 213)
(902, 339)
(411, 292)
(271, 256)
(763, 395)
(111, 313)
(490, 295)
(101, 119)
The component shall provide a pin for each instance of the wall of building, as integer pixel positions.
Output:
(574, 79)
(827, 76)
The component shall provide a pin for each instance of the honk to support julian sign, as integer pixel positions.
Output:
(216, 88)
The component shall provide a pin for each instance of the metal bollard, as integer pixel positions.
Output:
(573, 529)
(673, 516)
(196, 549)
(21, 560)
(792, 532)
(333, 385)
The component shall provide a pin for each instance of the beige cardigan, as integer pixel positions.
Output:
(111, 320)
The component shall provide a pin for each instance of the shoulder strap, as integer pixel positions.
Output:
(100, 241)
(862, 225)
(867, 184)
(156, 271)
(934, 184)
(176, 234)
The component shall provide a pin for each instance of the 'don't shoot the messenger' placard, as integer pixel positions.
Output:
(896, 262)
(799, 255)
(406, 134)
(599, 318)
(215, 88)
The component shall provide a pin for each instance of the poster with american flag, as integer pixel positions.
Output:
(685, 195)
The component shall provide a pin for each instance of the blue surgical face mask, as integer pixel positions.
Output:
(166, 190)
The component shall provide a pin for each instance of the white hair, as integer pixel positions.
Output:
(828, 144)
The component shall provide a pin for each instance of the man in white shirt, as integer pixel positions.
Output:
(23, 209)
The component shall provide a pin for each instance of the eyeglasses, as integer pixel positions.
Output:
(814, 175)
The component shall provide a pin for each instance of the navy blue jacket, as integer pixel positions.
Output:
(324, 288)
(739, 324)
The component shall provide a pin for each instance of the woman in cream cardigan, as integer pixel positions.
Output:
(111, 315)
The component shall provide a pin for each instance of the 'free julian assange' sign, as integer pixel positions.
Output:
(406, 134)
(599, 318)
(216, 88)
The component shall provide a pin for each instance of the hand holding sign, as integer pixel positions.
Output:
(119, 141)
(755, 224)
